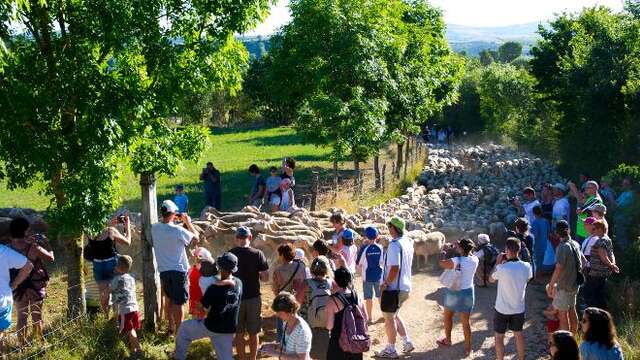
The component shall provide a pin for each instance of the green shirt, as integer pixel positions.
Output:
(588, 204)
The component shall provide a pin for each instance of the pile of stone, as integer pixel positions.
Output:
(38, 224)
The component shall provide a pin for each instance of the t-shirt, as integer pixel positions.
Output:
(284, 272)
(273, 183)
(566, 256)
(598, 267)
(512, 278)
(256, 186)
(399, 253)
(587, 244)
(11, 259)
(299, 341)
(195, 293)
(596, 351)
(204, 282)
(561, 210)
(182, 201)
(223, 305)
(528, 209)
(251, 262)
(468, 266)
(349, 253)
(123, 293)
(169, 244)
(372, 262)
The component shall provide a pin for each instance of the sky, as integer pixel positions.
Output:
(481, 13)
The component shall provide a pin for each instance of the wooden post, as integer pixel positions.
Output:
(384, 171)
(376, 171)
(150, 276)
(314, 190)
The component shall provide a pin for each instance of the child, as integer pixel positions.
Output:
(195, 293)
(370, 261)
(123, 293)
(181, 199)
(553, 323)
(302, 258)
(273, 183)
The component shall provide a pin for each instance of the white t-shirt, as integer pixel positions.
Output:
(169, 244)
(528, 210)
(205, 282)
(561, 210)
(512, 278)
(11, 259)
(393, 257)
(350, 253)
(299, 341)
(468, 266)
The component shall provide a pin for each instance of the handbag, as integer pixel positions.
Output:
(579, 275)
(390, 299)
(450, 278)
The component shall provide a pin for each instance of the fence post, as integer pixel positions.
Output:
(314, 190)
(150, 276)
(384, 171)
(376, 171)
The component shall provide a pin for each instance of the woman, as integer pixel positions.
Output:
(104, 256)
(296, 343)
(316, 293)
(335, 311)
(30, 295)
(521, 227)
(288, 276)
(460, 300)
(599, 336)
(602, 263)
(320, 248)
(563, 346)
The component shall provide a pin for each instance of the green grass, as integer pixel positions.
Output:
(231, 151)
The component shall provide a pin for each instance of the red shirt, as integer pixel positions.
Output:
(195, 294)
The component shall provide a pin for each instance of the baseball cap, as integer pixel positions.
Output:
(397, 222)
(347, 234)
(483, 239)
(243, 232)
(203, 254)
(560, 186)
(299, 254)
(601, 208)
(590, 220)
(371, 232)
(228, 262)
(593, 183)
(169, 206)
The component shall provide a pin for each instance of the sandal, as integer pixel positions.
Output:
(443, 342)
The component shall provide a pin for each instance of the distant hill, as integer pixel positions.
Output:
(470, 39)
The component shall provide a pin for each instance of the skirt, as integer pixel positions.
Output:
(459, 301)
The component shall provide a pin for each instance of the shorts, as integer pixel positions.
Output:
(552, 326)
(459, 301)
(319, 343)
(402, 297)
(5, 317)
(175, 286)
(369, 287)
(502, 322)
(129, 321)
(103, 270)
(564, 300)
(249, 320)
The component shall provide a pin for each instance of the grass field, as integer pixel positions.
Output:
(231, 151)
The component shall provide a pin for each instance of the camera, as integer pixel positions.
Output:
(39, 239)
(121, 219)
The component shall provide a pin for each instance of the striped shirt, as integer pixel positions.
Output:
(299, 340)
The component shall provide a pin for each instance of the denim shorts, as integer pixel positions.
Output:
(103, 270)
(459, 301)
(5, 317)
(369, 287)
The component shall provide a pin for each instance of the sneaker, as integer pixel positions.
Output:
(408, 347)
(387, 353)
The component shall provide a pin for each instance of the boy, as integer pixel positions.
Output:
(370, 261)
(124, 298)
(258, 190)
(195, 293)
(181, 199)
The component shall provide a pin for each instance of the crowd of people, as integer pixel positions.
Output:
(319, 313)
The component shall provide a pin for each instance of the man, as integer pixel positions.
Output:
(397, 276)
(210, 176)
(563, 286)
(561, 208)
(222, 304)
(530, 202)
(512, 276)
(11, 259)
(258, 190)
(169, 244)
(606, 192)
(253, 268)
(586, 200)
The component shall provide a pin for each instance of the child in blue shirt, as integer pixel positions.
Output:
(181, 199)
(370, 262)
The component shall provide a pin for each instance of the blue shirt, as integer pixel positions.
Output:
(371, 260)
(182, 201)
(596, 351)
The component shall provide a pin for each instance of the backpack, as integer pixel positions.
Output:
(33, 285)
(489, 259)
(354, 335)
(320, 292)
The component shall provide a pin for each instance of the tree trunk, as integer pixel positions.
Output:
(76, 304)
(150, 276)
(376, 171)
(406, 153)
(399, 160)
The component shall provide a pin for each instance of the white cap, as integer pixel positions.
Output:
(204, 255)
(483, 239)
(170, 206)
(299, 254)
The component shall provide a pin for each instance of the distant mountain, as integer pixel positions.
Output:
(469, 39)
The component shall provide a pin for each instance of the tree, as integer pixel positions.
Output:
(85, 80)
(509, 51)
(486, 57)
(633, 7)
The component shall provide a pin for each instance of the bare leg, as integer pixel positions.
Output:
(240, 344)
(519, 344)
(499, 346)
(448, 324)
(134, 344)
(253, 346)
(573, 320)
(178, 315)
(466, 329)
(390, 328)
(400, 326)
(36, 318)
(369, 307)
(105, 294)
(563, 319)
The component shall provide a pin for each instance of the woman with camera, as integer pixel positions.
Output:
(30, 294)
(103, 254)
